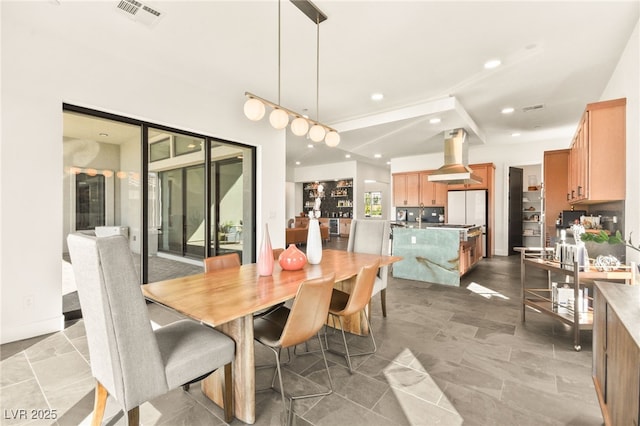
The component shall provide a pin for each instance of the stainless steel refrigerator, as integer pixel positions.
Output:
(469, 208)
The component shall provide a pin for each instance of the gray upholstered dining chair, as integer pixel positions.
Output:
(284, 328)
(372, 236)
(129, 360)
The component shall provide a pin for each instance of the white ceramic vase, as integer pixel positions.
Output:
(314, 243)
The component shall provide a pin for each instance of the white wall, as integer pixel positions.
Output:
(625, 83)
(381, 176)
(44, 65)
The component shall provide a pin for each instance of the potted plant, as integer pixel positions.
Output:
(602, 237)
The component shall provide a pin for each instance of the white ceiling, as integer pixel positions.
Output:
(426, 57)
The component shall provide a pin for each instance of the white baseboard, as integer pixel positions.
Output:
(27, 331)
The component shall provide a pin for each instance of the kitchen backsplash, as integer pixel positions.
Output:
(429, 214)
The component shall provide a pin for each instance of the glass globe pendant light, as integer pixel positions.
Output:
(316, 133)
(254, 109)
(279, 118)
(299, 126)
(332, 139)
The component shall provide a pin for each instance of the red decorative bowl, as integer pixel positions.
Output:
(292, 259)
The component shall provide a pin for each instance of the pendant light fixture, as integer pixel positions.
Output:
(254, 107)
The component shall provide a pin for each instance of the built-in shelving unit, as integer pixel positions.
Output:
(532, 219)
(337, 197)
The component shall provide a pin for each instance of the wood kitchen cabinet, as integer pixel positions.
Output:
(406, 189)
(616, 352)
(470, 254)
(484, 170)
(597, 155)
(556, 180)
(432, 193)
(345, 227)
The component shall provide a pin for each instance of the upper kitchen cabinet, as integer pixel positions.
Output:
(597, 154)
(432, 193)
(406, 189)
(485, 170)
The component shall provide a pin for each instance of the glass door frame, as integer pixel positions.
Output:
(144, 175)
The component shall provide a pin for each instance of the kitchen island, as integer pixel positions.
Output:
(436, 253)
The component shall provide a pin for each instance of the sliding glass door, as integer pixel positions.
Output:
(177, 196)
(232, 183)
(202, 202)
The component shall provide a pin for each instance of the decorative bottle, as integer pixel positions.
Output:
(265, 255)
(314, 242)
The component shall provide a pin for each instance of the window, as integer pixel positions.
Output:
(187, 145)
(373, 204)
(160, 150)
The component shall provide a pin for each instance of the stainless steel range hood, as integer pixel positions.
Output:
(455, 169)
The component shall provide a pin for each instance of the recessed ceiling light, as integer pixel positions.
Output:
(388, 162)
(434, 120)
(104, 135)
(515, 134)
(377, 97)
(369, 181)
(310, 146)
(492, 63)
(297, 163)
(377, 155)
(347, 156)
(507, 110)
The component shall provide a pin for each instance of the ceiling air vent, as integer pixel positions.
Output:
(140, 12)
(532, 107)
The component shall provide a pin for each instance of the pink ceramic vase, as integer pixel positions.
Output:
(292, 259)
(265, 256)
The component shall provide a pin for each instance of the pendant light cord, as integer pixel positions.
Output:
(279, 17)
(318, 70)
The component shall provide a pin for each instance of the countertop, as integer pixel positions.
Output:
(625, 302)
(432, 225)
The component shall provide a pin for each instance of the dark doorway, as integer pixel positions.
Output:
(515, 208)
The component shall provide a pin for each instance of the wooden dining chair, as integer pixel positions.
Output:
(129, 360)
(372, 236)
(276, 253)
(346, 304)
(222, 261)
(284, 328)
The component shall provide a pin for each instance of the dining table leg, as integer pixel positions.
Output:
(244, 384)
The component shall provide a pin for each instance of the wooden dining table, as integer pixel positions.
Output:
(227, 299)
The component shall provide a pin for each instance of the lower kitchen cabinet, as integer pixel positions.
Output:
(616, 352)
(345, 227)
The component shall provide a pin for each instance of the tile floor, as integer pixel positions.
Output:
(446, 356)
